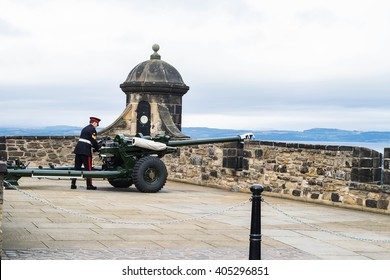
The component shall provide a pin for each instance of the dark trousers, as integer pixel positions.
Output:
(86, 161)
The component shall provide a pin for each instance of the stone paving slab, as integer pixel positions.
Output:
(142, 254)
(45, 219)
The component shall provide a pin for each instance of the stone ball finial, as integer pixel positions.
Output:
(155, 47)
(155, 55)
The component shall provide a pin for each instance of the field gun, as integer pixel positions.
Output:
(126, 161)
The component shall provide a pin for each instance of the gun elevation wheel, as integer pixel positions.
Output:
(149, 174)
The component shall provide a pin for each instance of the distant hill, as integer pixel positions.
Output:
(315, 134)
(58, 130)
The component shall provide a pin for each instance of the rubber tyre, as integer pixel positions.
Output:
(149, 174)
(120, 183)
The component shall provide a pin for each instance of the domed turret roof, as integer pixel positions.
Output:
(154, 75)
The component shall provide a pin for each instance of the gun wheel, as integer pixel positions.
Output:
(120, 183)
(149, 174)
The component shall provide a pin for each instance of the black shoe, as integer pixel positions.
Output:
(73, 187)
(91, 188)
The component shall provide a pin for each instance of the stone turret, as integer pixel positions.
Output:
(154, 91)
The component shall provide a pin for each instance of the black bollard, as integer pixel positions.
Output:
(255, 235)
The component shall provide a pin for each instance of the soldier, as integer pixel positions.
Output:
(84, 148)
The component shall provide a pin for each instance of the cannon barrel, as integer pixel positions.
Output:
(179, 143)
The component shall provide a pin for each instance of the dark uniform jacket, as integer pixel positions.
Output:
(87, 141)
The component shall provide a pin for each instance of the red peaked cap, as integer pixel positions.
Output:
(94, 119)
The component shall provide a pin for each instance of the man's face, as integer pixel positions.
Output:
(95, 124)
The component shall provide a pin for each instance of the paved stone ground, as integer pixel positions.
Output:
(155, 254)
(46, 220)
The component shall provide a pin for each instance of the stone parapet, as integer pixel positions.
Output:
(39, 150)
(345, 175)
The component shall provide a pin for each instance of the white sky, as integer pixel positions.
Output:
(250, 64)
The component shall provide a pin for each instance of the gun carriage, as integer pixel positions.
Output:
(126, 161)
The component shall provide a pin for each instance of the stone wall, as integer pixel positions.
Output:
(337, 175)
(38, 150)
(354, 177)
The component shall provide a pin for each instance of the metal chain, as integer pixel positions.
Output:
(48, 203)
(325, 230)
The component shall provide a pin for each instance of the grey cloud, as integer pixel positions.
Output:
(7, 29)
(236, 98)
(322, 17)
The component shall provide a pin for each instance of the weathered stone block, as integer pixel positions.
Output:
(386, 153)
(386, 177)
(365, 152)
(296, 193)
(239, 163)
(377, 163)
(267, 143)
(3, 156)
(335, 197)
(315, 196)
(306, 191)
(52, 156)
(348, 199)
(34, 145)
(355, 174)
(280, 144)
(385, 188)
(280, 168)
(365, 175)
(383, 204)
(259, 153)
(346, 148)
(366, 162)
(340, 174)
(230, 162)
(332, 148)
(231, 152)
(247, 153)
(371, 203)
(196, 160)
(304, 169)
(15, 154)
(377, 175)
(245, 164)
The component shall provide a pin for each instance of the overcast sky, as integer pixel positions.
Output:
(250, 64)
